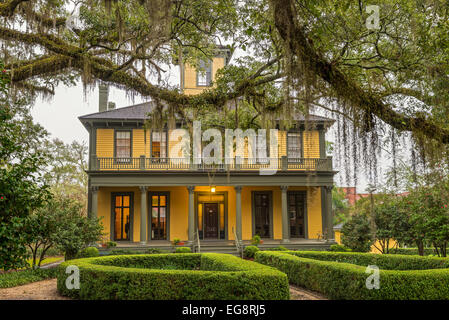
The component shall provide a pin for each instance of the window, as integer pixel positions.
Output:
(297, 213)
(204, 74)
(159, 145)
(122, 216)
(123, 146)
(159, 214)
(262, 209)
(294, 145)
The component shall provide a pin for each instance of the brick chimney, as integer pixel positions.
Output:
(103, 97)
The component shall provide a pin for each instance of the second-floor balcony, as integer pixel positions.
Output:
(232, 164)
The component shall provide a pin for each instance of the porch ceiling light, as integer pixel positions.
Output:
(212, 189)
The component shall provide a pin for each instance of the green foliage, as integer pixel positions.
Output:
(88, 252)
(41, 228)
(111, 244)
(75, 231)
(18, 278)
(340, 205)
(278, 248)
(155, 251)
(357, 234)
(411, 251)
(388, 221)
(250, 251)
(339, 248)
(22, 189)
(255, 241)
(117, 252)
(176, 241)
(189, 277)
(343, 276)
(183, 250)
(65, 173)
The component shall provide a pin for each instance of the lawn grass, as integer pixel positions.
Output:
(18, 278)
(46, 260)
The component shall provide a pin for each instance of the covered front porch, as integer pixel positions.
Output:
(214, 214)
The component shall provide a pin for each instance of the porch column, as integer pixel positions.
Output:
(238, 212)
(285, 227)
(143, 214)
(328, 219)
(94, 211)
(191, 221)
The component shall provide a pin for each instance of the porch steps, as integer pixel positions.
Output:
(219, 248)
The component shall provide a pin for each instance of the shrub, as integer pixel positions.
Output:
(343, 275)
(176, 241)
(412, 251)
(278, 248)
(250, 251)
(183, 250)
(255, 241)
(124, 252)
(156, 251)
(190, 277)
(339, 248)
(88, 252)
(111, 244)
(357, 234)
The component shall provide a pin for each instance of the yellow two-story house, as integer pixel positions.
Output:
(147, 195)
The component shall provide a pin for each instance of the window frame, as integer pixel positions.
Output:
(167, 213)
(157, 160)
(207, 70)
(123, 160)
(303, 194)
(131, 214)
(301, 147)
(268, 193)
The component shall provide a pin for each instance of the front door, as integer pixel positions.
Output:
(297, 213)
(262, 207)
(211, 221)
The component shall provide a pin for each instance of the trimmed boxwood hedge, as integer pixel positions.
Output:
(383, 261)
(341, 275)
(411, 251)
(187, 276)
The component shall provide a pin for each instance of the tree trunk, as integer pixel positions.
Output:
(436, 249)
(420, 246)
(42, 256)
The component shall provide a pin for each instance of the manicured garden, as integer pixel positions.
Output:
(342, 275)
(184, 276)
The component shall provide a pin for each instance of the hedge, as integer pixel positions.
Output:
(250, 251)
(411, 251)
(187, 276)
(330, 274)
(387, 262)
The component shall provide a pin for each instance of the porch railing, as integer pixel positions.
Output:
(233, 164)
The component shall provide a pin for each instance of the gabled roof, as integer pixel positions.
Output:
(139, 112)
